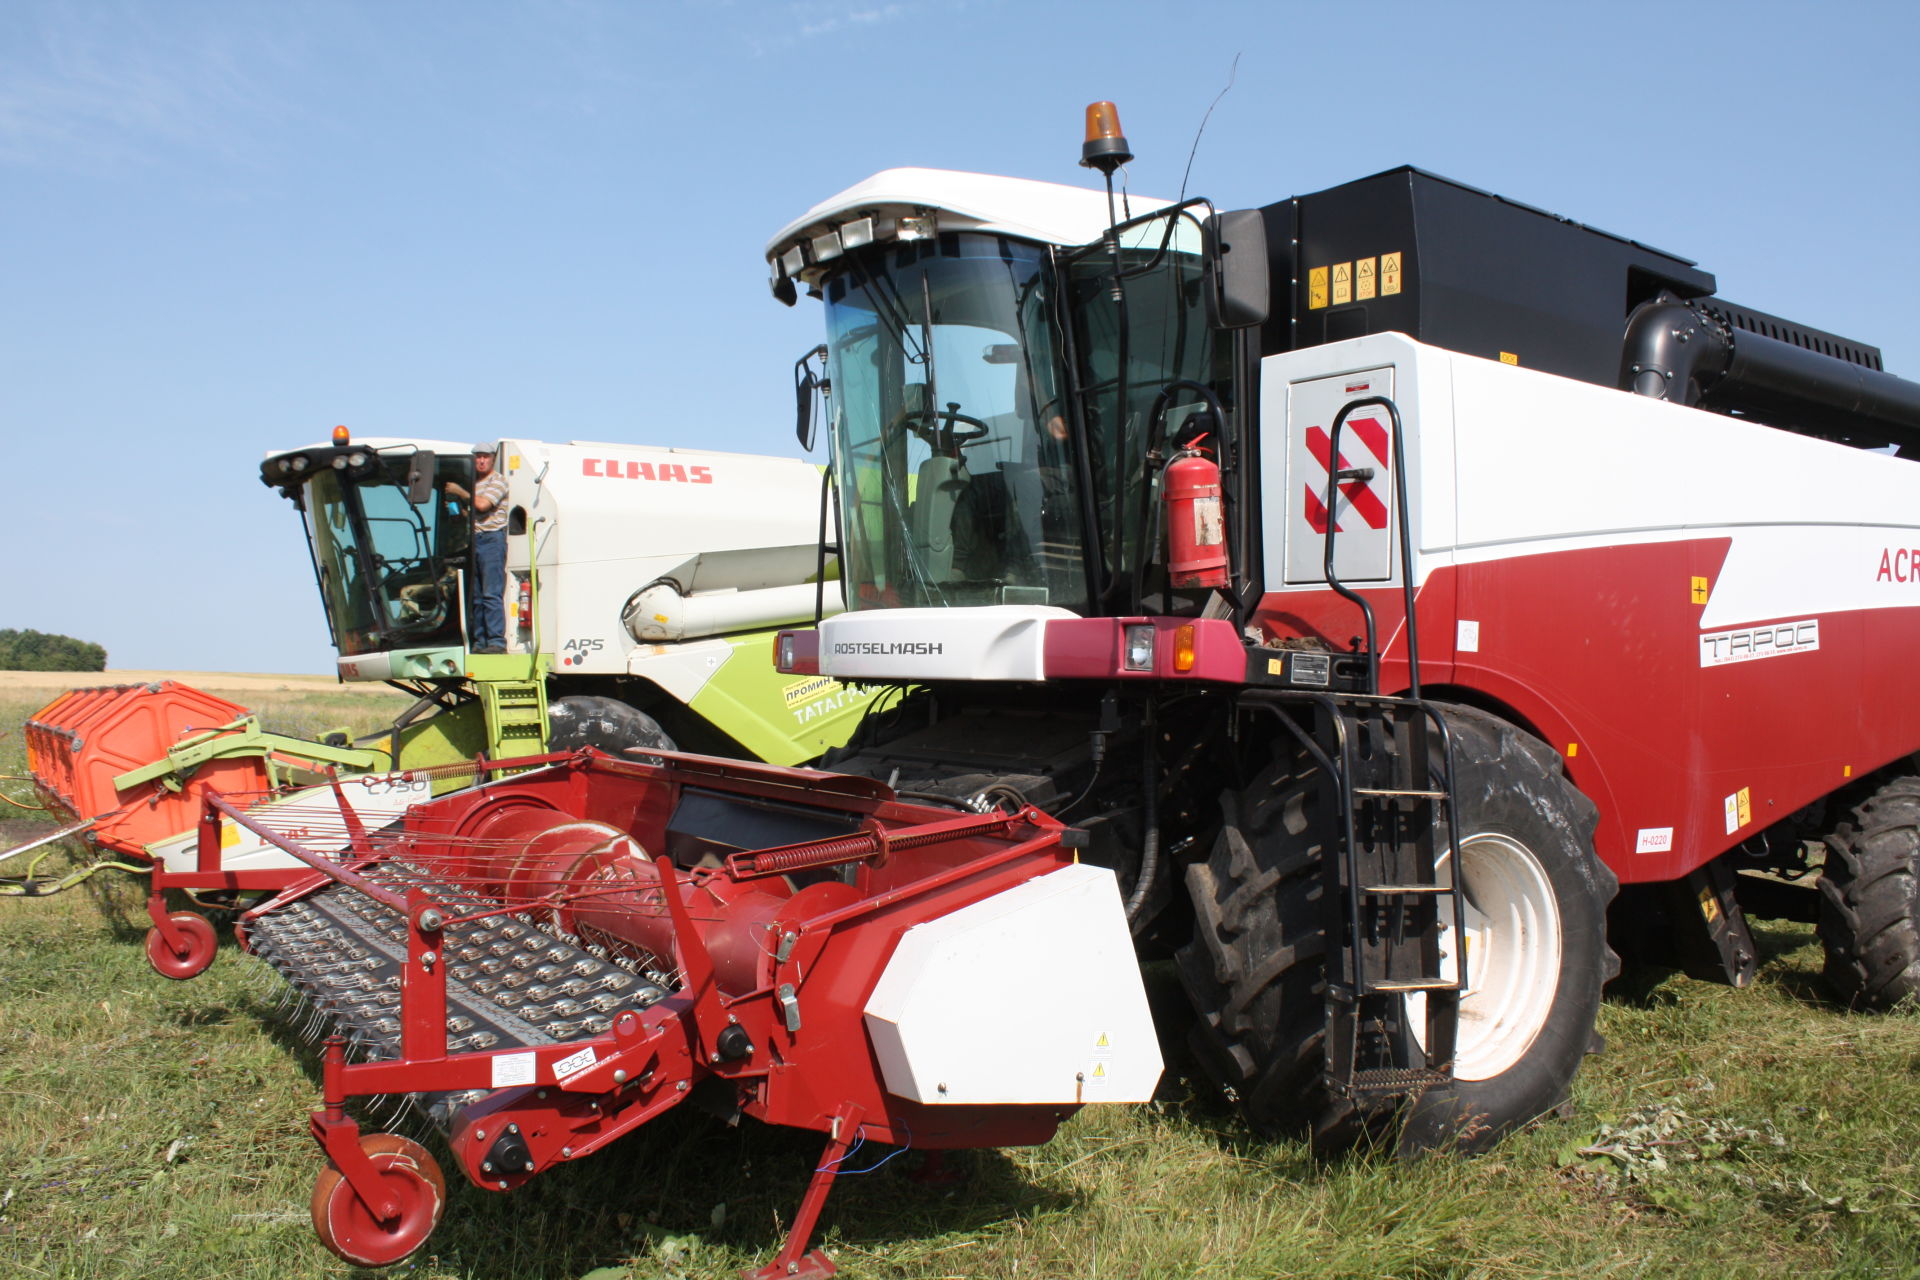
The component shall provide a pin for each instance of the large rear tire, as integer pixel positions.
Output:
(1870, 897)
(1536, 946)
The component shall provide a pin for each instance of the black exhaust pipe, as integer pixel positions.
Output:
(1694, 354)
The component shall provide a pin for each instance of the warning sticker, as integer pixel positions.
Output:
(574, 1063)
(1365, 277)
(1389, 274)
(1466, 636)
(513, 1068)
(1739, 809)
(1316, 288)
(1700, 586)
(1342, 283)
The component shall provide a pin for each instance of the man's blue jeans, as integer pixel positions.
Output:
(487, 609)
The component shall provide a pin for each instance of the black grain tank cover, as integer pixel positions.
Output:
(1457, 267)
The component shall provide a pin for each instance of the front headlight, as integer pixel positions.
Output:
(1139, 656)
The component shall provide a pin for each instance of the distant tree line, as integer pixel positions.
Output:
(38, 651)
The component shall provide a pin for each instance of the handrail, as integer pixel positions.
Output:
(1335, 474)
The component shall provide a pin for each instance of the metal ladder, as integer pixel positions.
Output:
(516, 716)
(1393, 889)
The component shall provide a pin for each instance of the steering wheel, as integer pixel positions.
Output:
(933, 424)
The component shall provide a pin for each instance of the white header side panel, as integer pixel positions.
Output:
(1030, 996)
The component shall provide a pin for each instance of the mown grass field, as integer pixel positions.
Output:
(157, 1129)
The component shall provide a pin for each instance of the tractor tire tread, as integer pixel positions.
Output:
(1870, 899)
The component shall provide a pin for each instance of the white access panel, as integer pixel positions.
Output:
(1363, 510)
(1030, 996)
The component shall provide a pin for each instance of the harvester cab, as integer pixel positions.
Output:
(387, 541)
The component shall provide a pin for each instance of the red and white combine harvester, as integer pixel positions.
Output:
(1365, 601)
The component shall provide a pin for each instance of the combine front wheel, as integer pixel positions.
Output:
(348, 1227)
(585, 720)
(195, 952)
(1536, 900)
(1870, 900)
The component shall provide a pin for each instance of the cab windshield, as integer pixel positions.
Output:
(992, 412)
(953, 451)
(387, 567)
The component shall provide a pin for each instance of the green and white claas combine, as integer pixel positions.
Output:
(643, 589)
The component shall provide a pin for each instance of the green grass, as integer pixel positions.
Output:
(156, 1129)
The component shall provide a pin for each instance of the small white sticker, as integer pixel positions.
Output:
(1467, 638)
(1654, 840)
(1733, 813)
(513, 1068)
(574, 1063)
(1209, 527)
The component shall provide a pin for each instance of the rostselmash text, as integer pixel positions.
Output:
(884, 648)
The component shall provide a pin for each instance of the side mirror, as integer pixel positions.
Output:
(805, 383)
(1238, 296)
(420, 477)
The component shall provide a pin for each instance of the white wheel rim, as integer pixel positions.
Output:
(1512, 950)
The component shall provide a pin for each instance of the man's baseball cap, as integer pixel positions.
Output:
(485, 448)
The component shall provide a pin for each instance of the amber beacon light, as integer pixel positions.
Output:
(1106, 147)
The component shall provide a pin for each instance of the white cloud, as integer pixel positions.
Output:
(97, 88)
(814, 21)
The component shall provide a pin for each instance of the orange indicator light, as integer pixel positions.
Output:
(1183, 648)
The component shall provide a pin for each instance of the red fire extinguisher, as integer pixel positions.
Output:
(1196, 529)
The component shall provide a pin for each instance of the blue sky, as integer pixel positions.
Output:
(225, 227)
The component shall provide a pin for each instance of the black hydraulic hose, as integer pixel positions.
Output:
(1150, 838)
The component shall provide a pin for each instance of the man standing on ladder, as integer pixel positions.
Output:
(486, 604)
